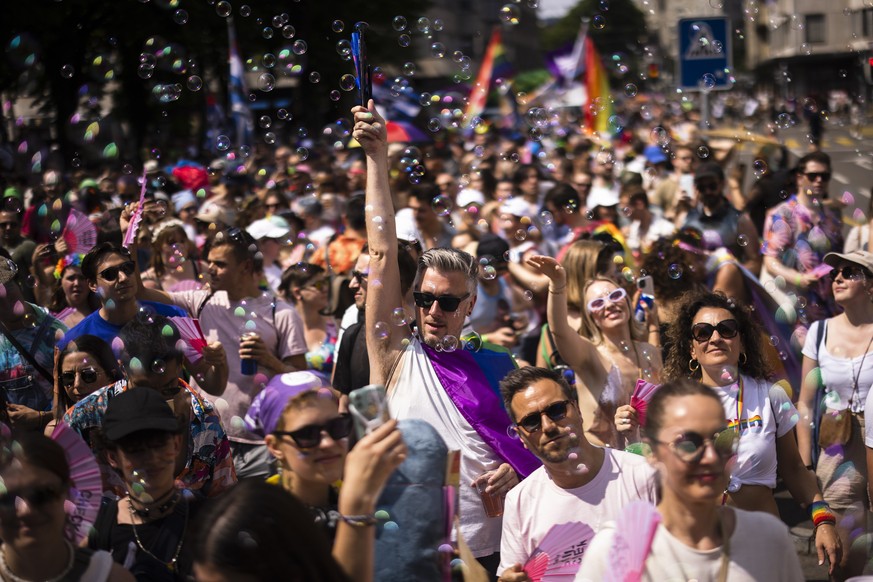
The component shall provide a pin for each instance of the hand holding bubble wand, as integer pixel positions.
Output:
(136, 217)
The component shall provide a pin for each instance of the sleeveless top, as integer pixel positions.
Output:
(611, 397)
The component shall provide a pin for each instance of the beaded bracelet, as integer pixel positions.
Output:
(360, 520)
(821, 513)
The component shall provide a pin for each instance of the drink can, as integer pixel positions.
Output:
(248, 366)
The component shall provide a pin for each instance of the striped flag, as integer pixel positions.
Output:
(598, 107)
(494, 66)
(243, 121)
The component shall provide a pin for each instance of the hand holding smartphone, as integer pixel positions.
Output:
(362, 67)
(369, 408)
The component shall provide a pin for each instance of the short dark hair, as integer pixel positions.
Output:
(563, 195)
(425, 193)
(672, 389)
(817, 156)
(245, 247)
(354, 212)
(148, 337)
(520, 378)
(40, 451)
(95, 256)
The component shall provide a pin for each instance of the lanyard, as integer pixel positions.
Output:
(740, 409)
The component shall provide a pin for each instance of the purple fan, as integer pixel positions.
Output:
(563, 547)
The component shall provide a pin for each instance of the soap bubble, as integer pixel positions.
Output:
(399, 23)
(674, 271)
(510, 14)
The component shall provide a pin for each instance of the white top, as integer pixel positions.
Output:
(838, 374)
(414, 391)
(767, 414)
(224, 320)
(760, 549)
(536, 505)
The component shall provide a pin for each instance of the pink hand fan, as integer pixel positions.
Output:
(79, 233)
(634, 531)
(563, 547)
(192, 338)
(136, 218)
(643, 392)
(87, 490)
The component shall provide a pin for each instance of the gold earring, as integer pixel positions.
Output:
(742, 359)
(693, 365)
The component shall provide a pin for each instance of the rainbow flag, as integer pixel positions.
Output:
(494, 66)
(596, 87)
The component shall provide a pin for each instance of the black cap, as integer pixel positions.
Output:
(137, 409)
(492, 245)
(709, 169)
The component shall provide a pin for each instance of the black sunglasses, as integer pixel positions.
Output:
(35, 497)
(359, 277)
(89, 376)
(849, 273)
(726, 329)
(447, 303)
(690, 446)
(534, 421)
(813, 176)
(111, 273)
(309, 436)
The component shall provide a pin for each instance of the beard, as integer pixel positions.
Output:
(560, 450)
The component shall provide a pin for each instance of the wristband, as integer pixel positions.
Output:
(556, 291)
(821, 513)
(360, 520)
(798, 279)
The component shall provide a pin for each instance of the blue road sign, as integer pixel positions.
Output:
(704, 54)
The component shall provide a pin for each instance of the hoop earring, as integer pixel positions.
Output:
(693, 365)
(742, 359)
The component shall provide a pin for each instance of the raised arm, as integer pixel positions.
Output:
(576, 350)
(810, 378)
(383, 291)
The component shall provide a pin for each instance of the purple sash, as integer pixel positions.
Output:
(468, 387)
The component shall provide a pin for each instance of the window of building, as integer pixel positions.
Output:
(815, 28)
(867, 22)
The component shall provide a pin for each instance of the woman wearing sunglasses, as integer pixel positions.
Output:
(84, 365)
(717, 342)
(306, 286)
(36, 478)
(838, 373)
(607, 353)
(689, 536)
(309, 438)
(174, 265)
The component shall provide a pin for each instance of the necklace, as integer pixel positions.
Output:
(857, 375)
(171, 565)
(175, 495)
(8, 575)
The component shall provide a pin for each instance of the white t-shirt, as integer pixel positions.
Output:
(224, 320)
(765, 407)
(414, 391)
(838, 374)
(760, 549)
(536, 505)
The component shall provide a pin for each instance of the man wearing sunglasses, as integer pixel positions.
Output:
(150, 360)
(578, 481)
(722, 225)
(797, 235)
(428, 375)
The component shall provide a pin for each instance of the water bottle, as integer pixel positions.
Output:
(248, 366)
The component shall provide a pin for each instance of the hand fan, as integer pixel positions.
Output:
(136, 218)
(79, 233)
(87, 489)
(642, 393)
(536, 566)
(192, 338)
(634, 531)
(563, 547)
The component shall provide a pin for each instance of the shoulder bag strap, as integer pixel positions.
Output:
(202, 305)
(26, 354)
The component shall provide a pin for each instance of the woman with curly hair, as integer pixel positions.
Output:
(718, 343)
(72, 300)
(174, 266)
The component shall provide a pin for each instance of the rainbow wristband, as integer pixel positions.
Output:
(821, 513)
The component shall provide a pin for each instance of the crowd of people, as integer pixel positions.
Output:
(597, 356)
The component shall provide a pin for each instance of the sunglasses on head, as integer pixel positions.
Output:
(849, 273)
(813, 176)
(309, 436)
(599, 304)
(447, 303)
(34, 496)
(690, 446)
(360, 277)
(726, 329)
(534, 421)
(111, 273)
(89, 376)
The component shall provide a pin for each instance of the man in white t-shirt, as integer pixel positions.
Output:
(579, 488)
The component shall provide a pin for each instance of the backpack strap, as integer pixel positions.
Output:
(206, 300)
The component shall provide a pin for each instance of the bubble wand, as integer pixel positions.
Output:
(136, 217)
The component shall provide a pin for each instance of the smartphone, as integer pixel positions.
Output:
(362, 68)
(686, 186)
(369, 408)
(646, 285)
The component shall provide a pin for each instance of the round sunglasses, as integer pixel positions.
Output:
(599, 304)
(726, 329)
(690, 446)
(89, 376)
(309, 436)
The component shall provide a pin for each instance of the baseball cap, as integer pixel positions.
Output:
(600, 196)
(151, 167)
(862, 258)
(211, 212)
(270, 227)
(183, 199)
(492, 245)
(135, 410)
(517, 207)
(469, 196)
(709, 170)
(267, 407)
(654, 154)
